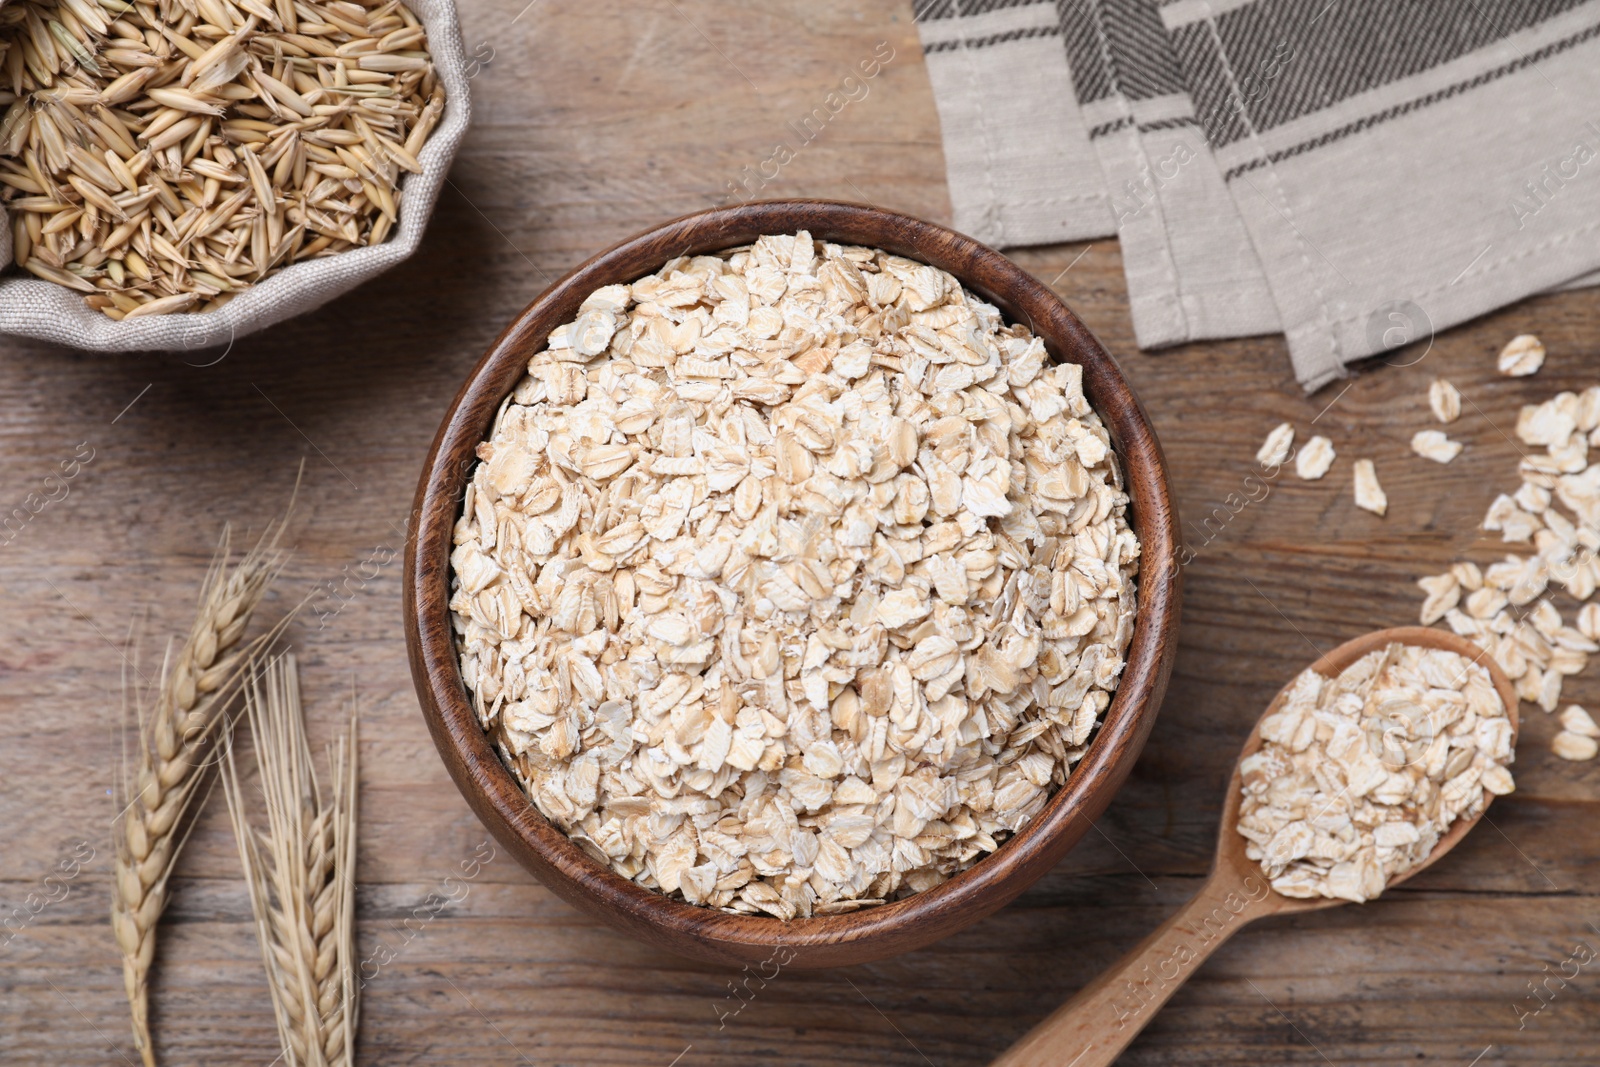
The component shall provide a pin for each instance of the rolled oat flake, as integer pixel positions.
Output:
(792, 579)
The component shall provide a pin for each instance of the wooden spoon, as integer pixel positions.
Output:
(1093, 1028)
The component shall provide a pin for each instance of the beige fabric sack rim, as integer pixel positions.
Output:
(32, 307)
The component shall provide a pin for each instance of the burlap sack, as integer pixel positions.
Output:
(32, 307)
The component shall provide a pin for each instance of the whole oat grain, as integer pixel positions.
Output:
(164, 156)
(792, 579)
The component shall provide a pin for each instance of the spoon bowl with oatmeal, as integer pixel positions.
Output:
(1366, 769)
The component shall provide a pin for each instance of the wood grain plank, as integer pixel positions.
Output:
(594, 121)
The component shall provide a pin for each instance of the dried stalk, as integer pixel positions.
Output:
(300, 870)
(195, 689)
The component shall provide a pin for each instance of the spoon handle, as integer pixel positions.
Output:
(1093, 1028)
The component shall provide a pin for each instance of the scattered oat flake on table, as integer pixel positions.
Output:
(1275, 449)
(1358, 776)
(1575, 747)
(1499, 508)
(1486, 603)
(1444, 593)
(1313, 461)
(1508, 519)
(1434, 445)
(1588, 410)
(1589, 621)
(1532, 498)
(1551, 424)
(1369, 494)
(1503, 607)
(1575, 719)
(1445, 400)
(1522, 356)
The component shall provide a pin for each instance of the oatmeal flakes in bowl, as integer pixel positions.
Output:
(846, 604)
(796, 584)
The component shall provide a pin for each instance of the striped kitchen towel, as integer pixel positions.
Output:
(1353, 173)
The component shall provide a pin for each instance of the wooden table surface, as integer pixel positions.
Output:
(594, 120)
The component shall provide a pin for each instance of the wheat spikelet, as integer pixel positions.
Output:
(301, 871)
(193, 693)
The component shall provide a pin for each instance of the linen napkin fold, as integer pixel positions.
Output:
(1394, 166)
(1401, 166)
(1192, 270)
(1016, 150)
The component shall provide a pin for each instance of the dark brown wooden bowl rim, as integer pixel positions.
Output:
(828, 940)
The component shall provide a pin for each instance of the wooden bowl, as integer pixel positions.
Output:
(873, 932)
